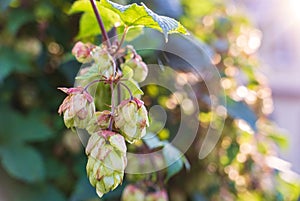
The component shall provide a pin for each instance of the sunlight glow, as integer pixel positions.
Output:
(295, 6)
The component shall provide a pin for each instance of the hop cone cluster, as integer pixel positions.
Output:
(107, 160)
(132, 119)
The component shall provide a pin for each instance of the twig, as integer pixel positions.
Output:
(101, 24)
(124, 85)
(122, 39)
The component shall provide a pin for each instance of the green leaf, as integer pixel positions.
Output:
(127, 72)
(4, 4)
(132, 33)
(89, 25)
(11, 61)
(16, 128)
(17, 19)
(23, 162)
(88, 22)
(134, 87)
(92, 72)
(139, 15)
(240, 110)
(41, 192)
(83, 190)
(175, 160)
(152, 141)
(81, 6)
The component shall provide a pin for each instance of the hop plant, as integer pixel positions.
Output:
(107, 160)
(82, 51)
(100, 121)
(133, 193)
(103, 61)
(140, 69)
(78, 107)
(157, 196)
(132, 119)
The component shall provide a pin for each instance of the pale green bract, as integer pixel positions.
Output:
(131, 16)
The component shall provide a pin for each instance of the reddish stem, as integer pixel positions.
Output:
(101, 24)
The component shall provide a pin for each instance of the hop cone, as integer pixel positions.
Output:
(140, 69)
(157, 196)
(100, 121)
(78, 108)
(133, 193)
(103, 61)
(82, 51)
(107, 160)
(132, 119)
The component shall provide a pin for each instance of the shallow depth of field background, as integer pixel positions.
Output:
(41, 160)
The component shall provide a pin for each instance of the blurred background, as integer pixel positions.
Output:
(280, 62)
(255, 46)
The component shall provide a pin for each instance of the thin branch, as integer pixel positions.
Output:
(122, 39)
(93, 82)
(101, 24)
(119, 94)
(112, 106)
(124, 85)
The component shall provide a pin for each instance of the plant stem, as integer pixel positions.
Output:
(119, 94)
(91, 83)
(122, 39)
(124, 85)
(112, 106)
(101, 24)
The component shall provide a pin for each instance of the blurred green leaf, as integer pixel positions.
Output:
(280, 139)
(23, 162)
(38, 193)
(152, 141)
(135, 15)
(134, 87)
(88, 22)
(17, 19)
(17, 128)
(175, 160)
(53, 164)
(132, 33)
(93, 72)
(89, 25)
(240, 110)
(11, 61)
(4, 4)
(83, 190)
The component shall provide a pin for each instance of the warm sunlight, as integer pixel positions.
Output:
(295, 6)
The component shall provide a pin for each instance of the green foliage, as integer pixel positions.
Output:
(11, 61)
(173, 157)
(23, 162)
(88, 22)
(37, 160)
(175, 160)
(20, 160)
(130, 16)
(240, 110)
